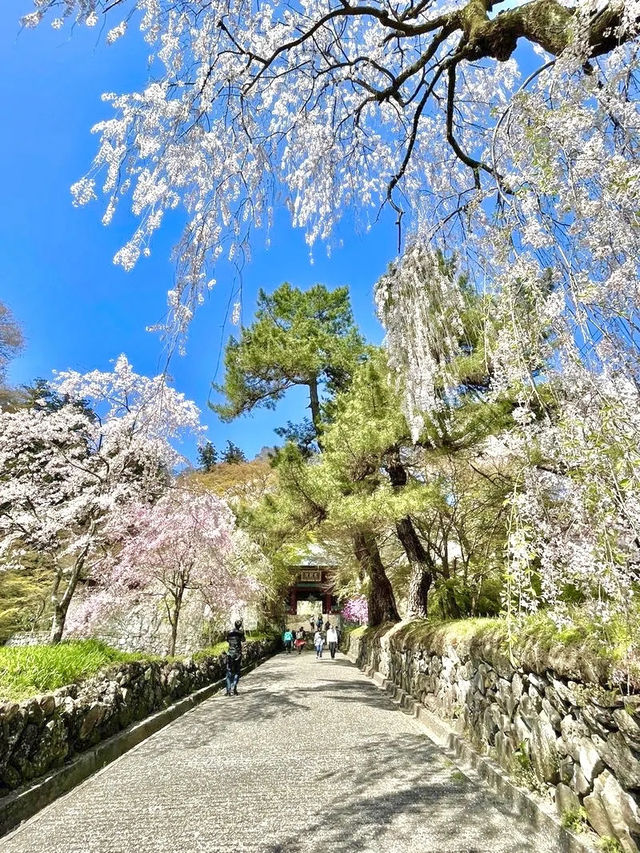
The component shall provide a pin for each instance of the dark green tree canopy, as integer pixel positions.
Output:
(232, 454)
(207, 456)
(297, 338)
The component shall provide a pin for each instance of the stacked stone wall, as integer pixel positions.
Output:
(576, 740)
(40, 734)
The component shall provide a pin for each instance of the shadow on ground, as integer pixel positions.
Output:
(406, 796)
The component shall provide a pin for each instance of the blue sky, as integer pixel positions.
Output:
(76, 308)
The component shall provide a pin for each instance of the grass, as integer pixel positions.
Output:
(575, 819)
(608, 844)
(211, 651)
(28, 670)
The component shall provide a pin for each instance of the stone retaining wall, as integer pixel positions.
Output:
(575, 740)
(42, 733)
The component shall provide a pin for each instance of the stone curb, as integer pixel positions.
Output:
(441, 733)
(23, 803)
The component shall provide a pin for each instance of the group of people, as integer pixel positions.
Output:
(295, 640)
(298, 639)
(236, 637)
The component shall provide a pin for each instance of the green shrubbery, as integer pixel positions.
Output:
(28, 670)
(24, 600)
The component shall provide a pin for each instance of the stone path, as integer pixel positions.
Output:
(311, 756)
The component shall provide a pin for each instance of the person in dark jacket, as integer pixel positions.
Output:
(235, 638)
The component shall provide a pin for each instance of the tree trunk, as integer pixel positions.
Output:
(61, 605)
(174, 617)
(543, 22)
(173, 639)
(421, 565)
(57, 624)
(421, 574)
(381, 601)
(314, 403)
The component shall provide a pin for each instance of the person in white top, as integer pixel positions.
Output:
(332, 640)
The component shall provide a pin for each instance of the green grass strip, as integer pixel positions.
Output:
(28, 670)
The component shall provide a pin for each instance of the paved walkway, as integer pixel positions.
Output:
(310, 756)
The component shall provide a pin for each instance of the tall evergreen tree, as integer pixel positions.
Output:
(303, 338)
(298, 338)
(232, 454)
(207, 456)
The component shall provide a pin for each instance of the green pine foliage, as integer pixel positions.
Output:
(298, 337)
(232, 454)
(449, 495)
(207, 456)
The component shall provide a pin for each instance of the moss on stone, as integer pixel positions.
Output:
(482, 638)
(580, 653)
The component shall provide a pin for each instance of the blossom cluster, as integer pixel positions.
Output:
(165, 551)
(68, 468)
(420, 305)
(356, 610)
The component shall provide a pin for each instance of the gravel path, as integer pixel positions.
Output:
(310, 756)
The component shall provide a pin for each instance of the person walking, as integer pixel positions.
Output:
(287, 638)
(338, 628)
(332, 640)
(235, 638)
(312, 623)
(300, 639)
(318, 642)
(319, 622)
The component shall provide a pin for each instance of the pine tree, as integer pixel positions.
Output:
(233, 454)
(306, 338)
(207, 456)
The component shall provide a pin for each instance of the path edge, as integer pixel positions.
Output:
(444, 736)
(24, 803)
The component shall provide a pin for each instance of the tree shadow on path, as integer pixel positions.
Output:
(404, 796)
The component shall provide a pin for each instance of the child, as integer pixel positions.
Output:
(288, 640)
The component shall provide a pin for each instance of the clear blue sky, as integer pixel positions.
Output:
(76, 308)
